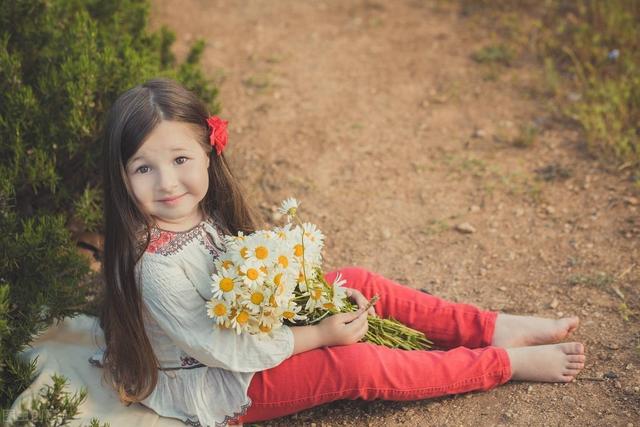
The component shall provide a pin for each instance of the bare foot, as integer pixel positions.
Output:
(518, 331)
(548, 363)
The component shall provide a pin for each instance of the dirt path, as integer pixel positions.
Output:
(373, 114)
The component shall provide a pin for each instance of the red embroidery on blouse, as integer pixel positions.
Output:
(166, 243)
(158, 240)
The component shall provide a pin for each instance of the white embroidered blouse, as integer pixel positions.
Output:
(205, 370)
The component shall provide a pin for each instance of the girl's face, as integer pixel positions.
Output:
(168, 175)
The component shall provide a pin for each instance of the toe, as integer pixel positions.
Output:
(575, 365)
(573, 348)
(576, 358)
(572, 324)
(566, 378)
(571, 372)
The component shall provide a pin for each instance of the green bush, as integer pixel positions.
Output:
(62, 64)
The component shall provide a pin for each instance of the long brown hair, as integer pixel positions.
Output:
(130, 363)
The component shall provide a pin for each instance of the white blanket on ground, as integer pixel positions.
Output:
(65, 349)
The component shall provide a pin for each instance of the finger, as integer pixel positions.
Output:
(357, 321)
(361, 300)
(348, 317)
(363, 330)
(357, 329)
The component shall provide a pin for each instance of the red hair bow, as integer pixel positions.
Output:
(218, 136)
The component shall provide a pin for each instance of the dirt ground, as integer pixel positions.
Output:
(374, 115)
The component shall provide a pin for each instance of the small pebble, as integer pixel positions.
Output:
(568, 400)
(610, 375)
(479, 133)
(554, 303)
(466, 228)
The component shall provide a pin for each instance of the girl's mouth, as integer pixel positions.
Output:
(171, 200)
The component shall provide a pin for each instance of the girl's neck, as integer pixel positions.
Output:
(185, 224)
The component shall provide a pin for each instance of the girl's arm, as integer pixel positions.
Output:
(338, 329)
(176, 309)
(306, 338)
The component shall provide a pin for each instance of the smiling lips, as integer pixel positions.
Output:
(171, 200)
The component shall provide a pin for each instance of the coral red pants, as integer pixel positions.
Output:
(367, 371)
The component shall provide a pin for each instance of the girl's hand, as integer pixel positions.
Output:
(360, 299)
(343, 328)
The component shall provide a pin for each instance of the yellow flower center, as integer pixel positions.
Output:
(265, 328)
(263, 269)
(252, 274)
(227, 263)
(262, 252)
(244, 252)
(272, 301)
(243, 317)
(288, 314)
(278, 279)
(316, 294)
(298, 250)
(329, 306)
(257, 298)
(220, 310)
(226, 284)
(283, 261)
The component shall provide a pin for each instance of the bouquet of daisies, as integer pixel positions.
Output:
(271, 278)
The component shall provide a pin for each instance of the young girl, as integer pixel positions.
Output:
(169, 198)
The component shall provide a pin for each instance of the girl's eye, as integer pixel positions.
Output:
(180, 160)
(143, 169)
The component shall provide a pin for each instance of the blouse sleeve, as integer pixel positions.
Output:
(174, 303)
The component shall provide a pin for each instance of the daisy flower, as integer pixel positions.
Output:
(284, 258)
(291, 313)
(224, 262)
(317, 299)
(241, 320)
(256, 300)
(312, 234)
(289, 207)
(339, 293)
(237, 248)
(252, 274)
(261, 249)
(224, 284)
(268, 323)
(218, 310)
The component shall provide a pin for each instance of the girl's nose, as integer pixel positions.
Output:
(167, 180)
